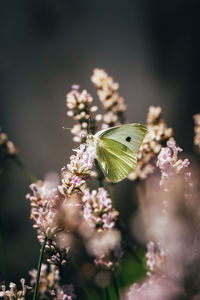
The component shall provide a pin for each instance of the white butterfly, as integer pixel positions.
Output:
(116, 149)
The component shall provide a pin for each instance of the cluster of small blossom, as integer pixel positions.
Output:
(155, 257)
(169, 164)
(109, 96)
(44, 203)
(57, 255)
(104, 243)
(7, 145)
(197, 131)
(158, 285)
(79, 105)
(154, 288)
(98, 210)
(13, 293)
(157, 135)
(79, 169)
(49, 284)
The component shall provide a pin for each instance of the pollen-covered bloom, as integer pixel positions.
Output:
(80, 109)
(98, 210)
(157, 135)
(13, 293)
(197, 131)
(78, 170)
(7, 145)
(112, 102)
(44, 200)
(49, 284)
(169, 164)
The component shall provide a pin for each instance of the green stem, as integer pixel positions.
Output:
(107, 293)
(27, 172)
(136, 257)
(116, 287)
(39, 269)
(100, 177)
(112, 193)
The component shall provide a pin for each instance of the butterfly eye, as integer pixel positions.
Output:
(128, 139)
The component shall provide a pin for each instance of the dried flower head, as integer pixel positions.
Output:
(80, 109)
(157, 135)
(109, 96)
(13, 293)
(197, 131)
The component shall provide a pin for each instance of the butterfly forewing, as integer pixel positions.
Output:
(115, 159)
(130, 135)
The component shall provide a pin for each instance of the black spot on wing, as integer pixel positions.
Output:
(128, 139)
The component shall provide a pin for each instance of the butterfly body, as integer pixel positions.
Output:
(116, 149)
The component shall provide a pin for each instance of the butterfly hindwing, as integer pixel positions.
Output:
(115, 159)
(130, 135)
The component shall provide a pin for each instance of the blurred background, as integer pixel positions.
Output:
(150, 47)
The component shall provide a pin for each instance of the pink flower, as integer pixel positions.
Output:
(79, 105)
(44, 201)
(169, 163)
(98, 209)
(110, 98)
(79, 169)
(155, 256)
(153, 289)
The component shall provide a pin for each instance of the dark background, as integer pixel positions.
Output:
(150, 47)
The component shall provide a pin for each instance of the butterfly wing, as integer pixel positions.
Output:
(130, 135)
(115, 159)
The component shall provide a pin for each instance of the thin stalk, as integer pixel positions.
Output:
(39, 269)
(140, 194)
(107, 293)
(116, 287)
(112, 193)
(140, 191)
(26, 171)
(137, 258)
(101, 294)
(100, 177)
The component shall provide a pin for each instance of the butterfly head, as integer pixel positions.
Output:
(91, 140)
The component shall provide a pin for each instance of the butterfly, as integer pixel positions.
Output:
(116, 149)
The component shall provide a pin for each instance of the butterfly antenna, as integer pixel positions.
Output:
(89, 126)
